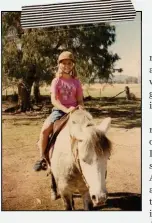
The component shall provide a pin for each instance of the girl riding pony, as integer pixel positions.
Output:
(66, 96)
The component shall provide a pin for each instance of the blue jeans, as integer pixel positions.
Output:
(55, 115)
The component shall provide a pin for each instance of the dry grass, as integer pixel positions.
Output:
(102, 90)
(95, 90)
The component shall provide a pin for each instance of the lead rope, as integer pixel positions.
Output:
(77, 160)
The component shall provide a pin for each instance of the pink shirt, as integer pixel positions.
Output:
(66, 90)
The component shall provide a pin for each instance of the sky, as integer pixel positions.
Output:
(128, 46)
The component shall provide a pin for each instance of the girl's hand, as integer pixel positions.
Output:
(80, 106)
(71, 109)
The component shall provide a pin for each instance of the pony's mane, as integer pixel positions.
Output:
(94, 138)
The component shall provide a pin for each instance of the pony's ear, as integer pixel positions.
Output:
(104, 125)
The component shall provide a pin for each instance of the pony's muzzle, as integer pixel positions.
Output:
(99, 200)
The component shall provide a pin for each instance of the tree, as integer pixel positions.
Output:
(32, 54)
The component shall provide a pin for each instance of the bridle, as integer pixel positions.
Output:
(75, 152)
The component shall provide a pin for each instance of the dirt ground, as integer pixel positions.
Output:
(24, 189)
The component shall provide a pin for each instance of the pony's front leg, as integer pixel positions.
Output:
(68, 201)
(53, 186)
(88, 205)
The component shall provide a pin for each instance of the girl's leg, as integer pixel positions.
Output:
(46, 130)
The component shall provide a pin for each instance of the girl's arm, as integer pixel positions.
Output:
(80, 100)
(79, 96)
(57, 104)
(61, 107)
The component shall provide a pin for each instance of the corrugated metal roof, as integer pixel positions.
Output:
(72, 13)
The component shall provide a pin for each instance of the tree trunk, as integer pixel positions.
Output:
(24, 92)
(36, 92)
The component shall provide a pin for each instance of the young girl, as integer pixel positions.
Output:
(66, 95)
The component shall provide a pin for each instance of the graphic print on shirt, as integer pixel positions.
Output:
(66, 90)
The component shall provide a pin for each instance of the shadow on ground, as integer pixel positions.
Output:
(124, 201)
(124, 114)
(121, 202)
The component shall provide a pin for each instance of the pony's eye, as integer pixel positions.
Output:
(84, 160)
(80, 140)
(88, 125)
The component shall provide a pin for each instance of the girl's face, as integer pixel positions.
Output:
(66, 66)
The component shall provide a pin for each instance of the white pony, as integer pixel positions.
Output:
(79, 161)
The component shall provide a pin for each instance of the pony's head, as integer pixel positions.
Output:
(94, 150)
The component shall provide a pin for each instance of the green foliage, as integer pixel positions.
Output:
(32, 54)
